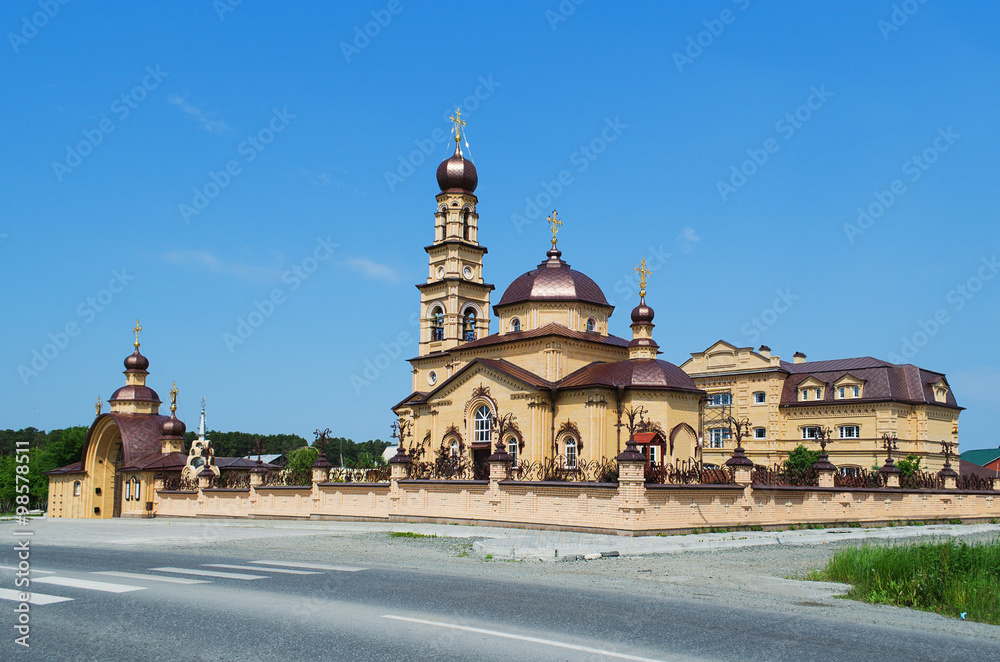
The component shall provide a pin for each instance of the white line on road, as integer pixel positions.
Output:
(35, 599)
(155, 578)
(533, 640)
(314, 566)
(210, 573)
(10, 567)
(259, 569)
(88, 584)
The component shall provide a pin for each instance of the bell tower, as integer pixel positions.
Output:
(455, 300)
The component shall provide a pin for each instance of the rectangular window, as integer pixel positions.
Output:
(760, 433)
(840, 393)
(571, 453)
(857, 391)
(717, 437)
(849, 432)
(759, 398)
(720, 400)
(819, 394)
(805, 394)
(810, 432)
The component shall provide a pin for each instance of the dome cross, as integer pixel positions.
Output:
(136, 331)
(643, 272)
(554, 223)
(458, 122)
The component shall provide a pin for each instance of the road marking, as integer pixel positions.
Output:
(35, 598)
(533, 640)
(88, 584)
(314, 566)
(210, 573)
(155, 578)
(259, 569)
(32, 571)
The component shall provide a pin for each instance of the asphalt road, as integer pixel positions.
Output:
(383, 613)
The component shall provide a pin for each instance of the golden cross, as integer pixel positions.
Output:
(643, 272)
(136, 331)
(555, 223)
(458, 122)
(173, 397)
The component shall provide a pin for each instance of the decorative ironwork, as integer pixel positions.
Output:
(569, 427)
(863, 478)
(481, 392)
(259, 447)
(690, 472)
(555, 469)
(287, 478)
(920, 480)
(359, 475)
(449, 468)
(974, 482)
(178, 484)
(230, 480)
(631, 413)
(781, 476)
(889, 445)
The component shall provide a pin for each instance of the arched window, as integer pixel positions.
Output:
(454, 448)
(135, 489)
(483, 425)
(469, 325)
(591, 324)
(570, 453)
(512, 447)
(76, 488)
(515, 325)
(465, 224)
(437, 324)
(128, 490)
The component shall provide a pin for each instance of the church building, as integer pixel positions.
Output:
(558, 381)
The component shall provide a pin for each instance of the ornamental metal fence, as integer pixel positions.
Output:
(920, 480)
(287, 478)
(689, 472)
(231, 480)
(449, 468)
(779, 475)
(563, 470)
(860, 478)
(178, 484)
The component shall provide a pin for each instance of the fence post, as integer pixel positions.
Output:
(399, 468)
(825, 470)
(499, 464)
(948, 477)
(631, 485)
(891, 473)
(742, 466)
(321, 470)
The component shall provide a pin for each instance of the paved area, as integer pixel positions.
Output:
(507, 543)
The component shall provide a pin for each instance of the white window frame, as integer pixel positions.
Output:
(483, 425)
(807, 428)
(512, 447)
(717, 437)
(842, 392)
(77, 488)
(819, 394)
(761, 400)
(454, 451)
(857, 391)
(855, 428)
(571, 457)
(515, 325)
(128, 489)
(724, 399)
(804, 393)
(135, 492)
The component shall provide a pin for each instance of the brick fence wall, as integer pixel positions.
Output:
(629, 507)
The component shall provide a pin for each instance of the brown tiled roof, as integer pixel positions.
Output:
(157, 460)
(140, 435)
(883, 381)
(551, 329)
(635, 373)
(553, 280)
(68, 469)
(135, 393)
(506, 367)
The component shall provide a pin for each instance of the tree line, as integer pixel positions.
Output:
(58, 448)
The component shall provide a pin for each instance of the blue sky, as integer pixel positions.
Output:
(730, 143)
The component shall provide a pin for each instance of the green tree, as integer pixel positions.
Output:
(800, 461)
(300, 461)
(909, 466)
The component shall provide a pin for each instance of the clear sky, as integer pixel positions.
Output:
(810, 176)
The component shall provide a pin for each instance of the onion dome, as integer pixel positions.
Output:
(642, 314)
(136, 361)
(173, 426)
(457, 173)
(553, 280)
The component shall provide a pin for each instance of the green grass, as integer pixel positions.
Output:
(411, 534)
(946, 578)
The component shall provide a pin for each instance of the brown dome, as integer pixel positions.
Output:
(135, 393)
(553, 280)
(136, 361)
(457, 173)
(642, 314)
(173, 427)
